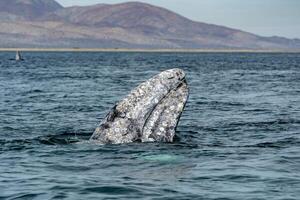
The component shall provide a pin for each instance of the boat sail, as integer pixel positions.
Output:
(18, 56)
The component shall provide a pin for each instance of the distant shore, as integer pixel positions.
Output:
(147, 50)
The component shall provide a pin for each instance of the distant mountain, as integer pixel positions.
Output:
(45, 23)
(26, 9)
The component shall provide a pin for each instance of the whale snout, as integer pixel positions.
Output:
(172, 78)
(175, 74)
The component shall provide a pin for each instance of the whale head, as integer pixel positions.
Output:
(149, 113)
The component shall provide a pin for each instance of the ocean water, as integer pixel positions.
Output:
(239, 134)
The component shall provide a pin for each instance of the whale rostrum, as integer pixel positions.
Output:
(150, 113)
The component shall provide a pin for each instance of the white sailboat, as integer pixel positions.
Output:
(18, 56)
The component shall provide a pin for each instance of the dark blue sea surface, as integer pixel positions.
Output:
(239, 134)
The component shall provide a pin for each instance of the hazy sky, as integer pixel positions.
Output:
(263, 17)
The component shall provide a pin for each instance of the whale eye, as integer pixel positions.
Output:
(170, 76)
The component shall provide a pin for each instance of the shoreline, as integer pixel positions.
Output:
(147, 50)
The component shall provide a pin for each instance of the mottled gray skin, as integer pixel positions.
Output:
(149, 113)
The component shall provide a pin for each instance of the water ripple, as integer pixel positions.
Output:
(237, 139)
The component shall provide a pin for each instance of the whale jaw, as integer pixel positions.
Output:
(150, 113)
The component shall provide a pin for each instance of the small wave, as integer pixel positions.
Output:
(72, 168)
(287, 142)
(16, 145)
(24, 196)
(220, 103)
(63, 139)
(33, 91)
(60, 139)
(283, 143)
(266, 123)
(112, 190)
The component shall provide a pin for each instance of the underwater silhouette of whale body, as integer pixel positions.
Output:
(150, 113)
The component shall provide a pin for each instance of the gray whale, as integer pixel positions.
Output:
(150, 113)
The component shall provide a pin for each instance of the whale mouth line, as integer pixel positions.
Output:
(161, 108)
(180, 84)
